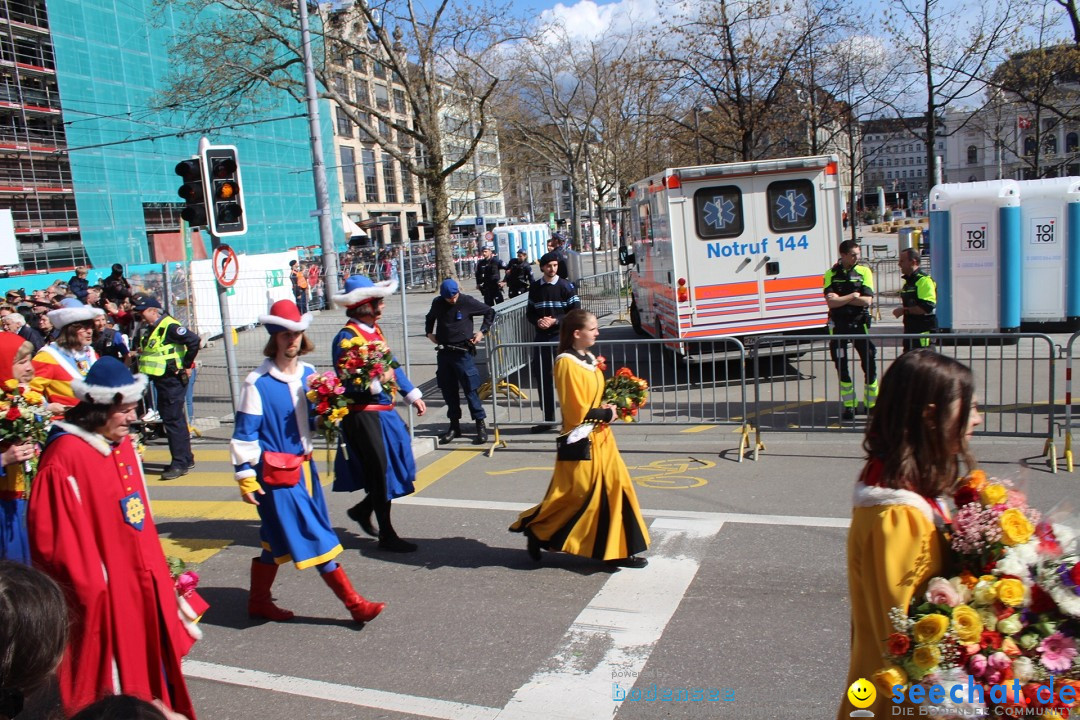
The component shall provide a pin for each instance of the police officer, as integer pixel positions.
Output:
(849, 292)
(489, 277)
(519, 274)
(918, 298)
(449, 324)
(166, 354)
(550, 298)
(557, 245)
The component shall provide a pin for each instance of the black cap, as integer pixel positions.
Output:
(147, 301)
(117, 268)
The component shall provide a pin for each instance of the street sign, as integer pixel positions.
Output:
(489, 236)
(480, 221)
(226, 266)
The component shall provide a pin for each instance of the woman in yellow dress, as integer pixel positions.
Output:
(921, 425)
(590, 508)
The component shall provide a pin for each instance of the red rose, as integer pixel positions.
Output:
(13, 413)
(1048, 544)
(1004, 612)
(323, 408)
(965, 495)
(898, 644)
(1040, 601)
(990, 638)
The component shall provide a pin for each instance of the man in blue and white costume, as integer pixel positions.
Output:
(271, 451)
(375, 454)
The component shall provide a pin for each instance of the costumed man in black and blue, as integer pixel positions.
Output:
(519, 277)
(166, 355)
(489, 272)
(375, 453)
(849, 292)
(449, 324)
(918, 300)
(272, 454)
(550, 298)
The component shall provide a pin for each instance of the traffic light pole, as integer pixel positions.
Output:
(331, 280)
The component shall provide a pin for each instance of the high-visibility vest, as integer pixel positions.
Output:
(156, 354)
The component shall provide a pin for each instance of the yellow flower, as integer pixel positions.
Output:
(312, 395)
(993, 494)
(1015, 528)
(930, 628)
(1010, 591)
(926, 657)
(888, 677)
(33, 397)
(976, 479)
(966, 624)
(11, 384)
(337, 414)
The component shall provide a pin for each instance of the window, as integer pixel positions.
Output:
(407, 186)
(791, 205)
(363, 95)
(348, 174)
(972, 155)
(399, 102)
(1071, 144)
(341, 86)
(337, 54)
(1050, 144)
(718, 212)
(344, 125)
(384, 130)
(1029, 145)
(389, 180)
(378, 70)
(359, 63)
(382, 99)
(371, 182)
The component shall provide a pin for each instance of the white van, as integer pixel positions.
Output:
(736, 249)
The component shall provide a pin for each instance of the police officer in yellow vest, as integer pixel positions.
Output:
(849, 292)
(166, 355)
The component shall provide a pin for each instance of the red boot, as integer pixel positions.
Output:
(260, 604)
(362, 611)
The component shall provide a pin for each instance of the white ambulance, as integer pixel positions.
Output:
(736, 249)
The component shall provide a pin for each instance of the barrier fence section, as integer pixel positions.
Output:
(888, 281)
(796, 385)
(1068, 399)
(601, 294)
(681, 391)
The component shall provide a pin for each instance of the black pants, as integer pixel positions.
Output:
(456, 369)
(543, 372)
(171, 394)
(363, 436)
(492, 295)
(866, 349)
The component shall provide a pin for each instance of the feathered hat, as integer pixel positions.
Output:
(70, 311)
(359, 289)
(109, 381)
(284, 315)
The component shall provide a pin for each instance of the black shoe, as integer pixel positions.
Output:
(631, 562)
(544, 428)
(532, 546)
(481, 433)
(848, 414)
(454, 431)
(361, 514)
(392, 543)
(171, 473)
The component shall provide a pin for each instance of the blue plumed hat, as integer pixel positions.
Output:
(359, 289)
(109, 381)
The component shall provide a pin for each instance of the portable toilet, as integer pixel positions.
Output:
(1050, 267)
(532, 237)
(976, 255)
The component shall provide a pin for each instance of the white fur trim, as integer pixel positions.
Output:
(103, 395)
(413, 396)
(579, 361)
(243, 474)
(188, 617)
(872, 496)
(381, 289)
(61, 317)
(296, 326)
(92, 439)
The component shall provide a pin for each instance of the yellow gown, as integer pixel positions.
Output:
(590, 508)
(894, 548)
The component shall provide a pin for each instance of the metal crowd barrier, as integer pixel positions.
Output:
(1068, 399)
(681, 391)
(796, 386)
(888, 281)
(601, 294)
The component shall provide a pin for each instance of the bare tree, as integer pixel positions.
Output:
(1072, 13)
(442, 56)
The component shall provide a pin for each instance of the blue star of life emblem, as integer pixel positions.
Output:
(791, 206)
(719, 212)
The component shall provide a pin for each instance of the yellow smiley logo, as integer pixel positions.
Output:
(862, 693)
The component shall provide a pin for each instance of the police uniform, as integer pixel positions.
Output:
(518, 277)
(548, 299)
(452, 325)
(919, 290)
(852, 320)
(166, 350)
(488, 274)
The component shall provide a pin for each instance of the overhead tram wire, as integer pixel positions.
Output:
(180, 134)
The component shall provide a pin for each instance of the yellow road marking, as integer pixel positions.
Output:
(193, 551)
(443, 466)
(204, 509)
(698, 428)
(154, 455)
(511, 471)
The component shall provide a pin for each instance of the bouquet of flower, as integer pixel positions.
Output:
(992, 521)
(328, 395)
(627, 393)
(362, 364)
(23, 418)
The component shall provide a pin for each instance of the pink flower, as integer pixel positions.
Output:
(999, 661)
(1057, 652)
(186, 582)
(977, 665)
(993, 678)
(941, 592)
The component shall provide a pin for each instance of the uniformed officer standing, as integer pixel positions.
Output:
(449, 324)
(489, 277)
(519, 274)
(166, 354)
(918, 298)
(550, 298)
(849, 292)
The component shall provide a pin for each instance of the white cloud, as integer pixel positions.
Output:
(587, 20)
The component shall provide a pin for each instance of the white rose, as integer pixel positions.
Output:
(988, 617)
(984, 594)
(1023, 669)
(961, 589)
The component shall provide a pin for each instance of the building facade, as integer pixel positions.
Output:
(895, 160)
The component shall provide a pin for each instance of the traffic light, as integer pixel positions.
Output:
(226, 196)
(192, 192)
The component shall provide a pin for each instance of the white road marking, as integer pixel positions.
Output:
(395, 702)
(626, 618)
(743, 518)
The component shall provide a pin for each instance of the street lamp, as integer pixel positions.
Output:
(699, 109)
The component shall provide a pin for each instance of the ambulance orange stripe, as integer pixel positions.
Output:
(751, 302)
(707, 292)
(805, 282)
(807, 323)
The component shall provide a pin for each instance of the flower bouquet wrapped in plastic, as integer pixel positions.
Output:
(627, 393)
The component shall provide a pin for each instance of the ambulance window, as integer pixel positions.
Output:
(644, 226)
(718, 212)
(791, 205)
